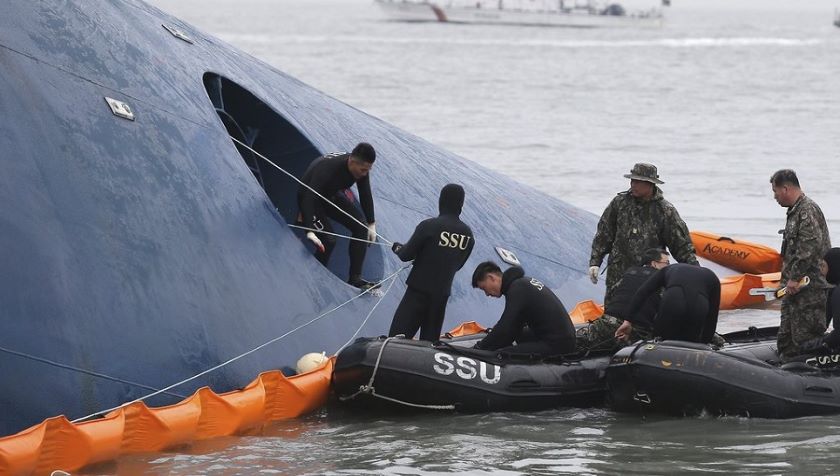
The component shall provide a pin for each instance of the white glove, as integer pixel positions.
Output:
(593, 274)
(372, 232)
(314, 239)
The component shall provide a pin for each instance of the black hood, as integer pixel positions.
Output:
(509, 276)
(451, 199)
(833, 260)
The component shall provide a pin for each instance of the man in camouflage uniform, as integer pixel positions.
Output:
(634, 221)
(804, 243)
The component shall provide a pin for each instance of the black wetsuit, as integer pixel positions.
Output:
(529, 302)
(833, 339)
(329, 176)
(689, 307)
(623, 293)
(832, 309)
(439, 247)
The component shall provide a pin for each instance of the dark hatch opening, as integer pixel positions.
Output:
(253, 122)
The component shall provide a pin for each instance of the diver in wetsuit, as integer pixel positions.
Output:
(330, 175)
(827, 343)
(689, 307)
(439, 247)
(830, 268)
(528, 302)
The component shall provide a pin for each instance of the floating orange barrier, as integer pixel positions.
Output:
(57, 443)
(742, 256)
(586, 311)
(735, 290)
(466, 329)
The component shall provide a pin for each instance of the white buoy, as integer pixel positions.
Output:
(310, 362)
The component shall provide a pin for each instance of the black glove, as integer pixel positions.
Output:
(396, 247)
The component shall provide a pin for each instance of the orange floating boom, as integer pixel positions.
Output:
(57, 443)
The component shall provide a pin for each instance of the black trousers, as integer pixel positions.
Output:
(682, 320)
(422, 311)
(357, 249)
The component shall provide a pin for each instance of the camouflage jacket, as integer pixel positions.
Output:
(630, 226)
(805, 241)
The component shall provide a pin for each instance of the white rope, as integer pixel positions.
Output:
(305, 185)
(371, 390)
(385, 293)
(338, 235)
(234, 359)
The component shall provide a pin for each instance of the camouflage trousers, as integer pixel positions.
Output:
(599, 335)
(803, 318)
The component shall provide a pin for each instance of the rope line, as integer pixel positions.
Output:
(338, 235)
(305, 185)
(371, 390)
(81, 370)
(359, 329)
(234, 359)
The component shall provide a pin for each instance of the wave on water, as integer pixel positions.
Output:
(703, 42)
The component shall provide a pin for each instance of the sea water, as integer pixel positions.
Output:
(721, 96)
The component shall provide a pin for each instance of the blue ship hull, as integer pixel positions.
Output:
(138, 253)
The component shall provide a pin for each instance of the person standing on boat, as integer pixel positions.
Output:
(330, 176)
(439, 247)
(634, 221)
(600, 333)
(805, 241)
(688, 309)
(528, 302)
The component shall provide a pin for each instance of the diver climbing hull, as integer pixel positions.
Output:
(398, 373)
(742, 378)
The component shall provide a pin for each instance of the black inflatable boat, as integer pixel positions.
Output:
(387, 372)
(744, 377)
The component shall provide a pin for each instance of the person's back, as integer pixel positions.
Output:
(439, 247)
(692, 278)
(528, 302)
(689, 306)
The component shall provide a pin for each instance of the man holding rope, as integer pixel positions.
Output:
(330, 176)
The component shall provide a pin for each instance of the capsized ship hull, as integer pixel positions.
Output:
(138, 253)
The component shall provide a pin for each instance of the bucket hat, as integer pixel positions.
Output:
(646, 172)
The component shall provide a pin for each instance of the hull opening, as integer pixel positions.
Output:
(251, 121)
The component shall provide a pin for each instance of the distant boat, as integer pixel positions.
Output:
(568, 13)
(837, 18)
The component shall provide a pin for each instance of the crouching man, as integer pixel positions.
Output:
(528, 302)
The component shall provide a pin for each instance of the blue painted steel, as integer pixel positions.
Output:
(148, 252)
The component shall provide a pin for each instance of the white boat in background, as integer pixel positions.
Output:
(569, 13)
